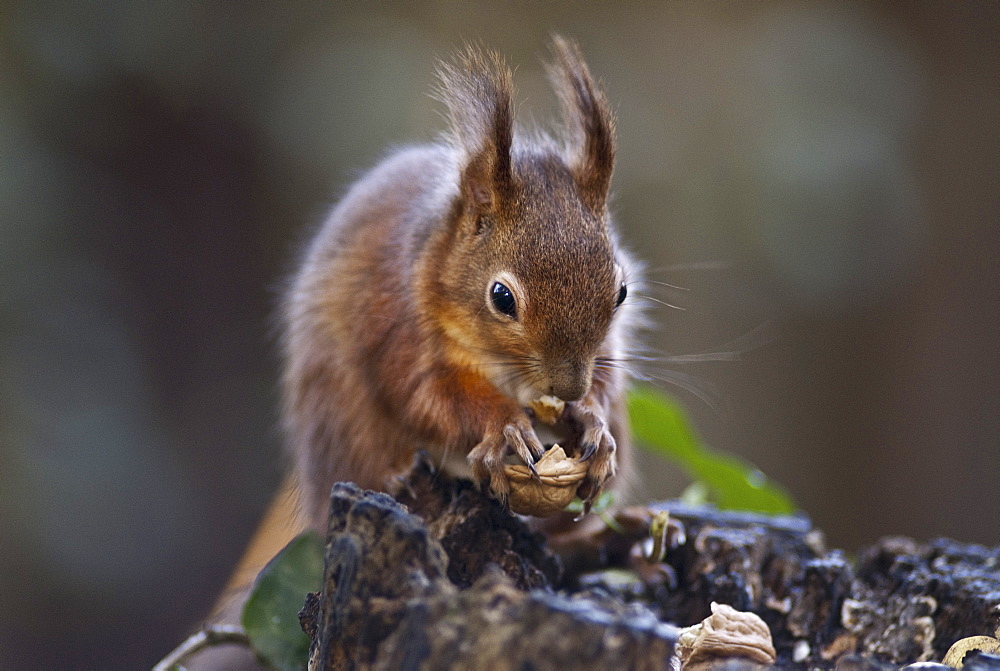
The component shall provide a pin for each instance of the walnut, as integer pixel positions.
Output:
(725, 633)
(552, 490)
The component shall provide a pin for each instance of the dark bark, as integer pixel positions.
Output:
(452, 580)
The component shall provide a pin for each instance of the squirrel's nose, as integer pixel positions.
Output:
(570, 381)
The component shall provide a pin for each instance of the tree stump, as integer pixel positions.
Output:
(442, 577)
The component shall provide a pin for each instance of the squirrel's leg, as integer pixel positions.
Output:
(487, 458)
(589, 417)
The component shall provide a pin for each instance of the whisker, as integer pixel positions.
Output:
(700, 388)
(602, 375)
(684, 358)
(657, 300)
(667, 284)
(692, 385)
(513, 376)
(609, 366)
(760, 335)
(694, 265)
(703, 357)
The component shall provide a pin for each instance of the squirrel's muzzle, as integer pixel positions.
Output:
(570, 381)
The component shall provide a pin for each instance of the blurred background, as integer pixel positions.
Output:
(827, 170)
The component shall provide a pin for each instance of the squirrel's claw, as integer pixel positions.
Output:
(486, 462)
(487, 458)
(598, 446)
(524, 443)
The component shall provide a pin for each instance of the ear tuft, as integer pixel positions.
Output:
(476, 86)
(590, 125)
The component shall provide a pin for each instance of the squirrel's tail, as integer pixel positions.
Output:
(281, 523)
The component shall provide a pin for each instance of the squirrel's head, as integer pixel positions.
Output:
(531, 281)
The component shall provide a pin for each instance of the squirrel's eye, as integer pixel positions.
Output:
(503, 300)
(622, 293)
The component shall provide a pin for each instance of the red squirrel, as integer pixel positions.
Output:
(451, 287)
(455, 283)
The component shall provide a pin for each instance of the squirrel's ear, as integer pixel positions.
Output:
(589, 123)
(478, 91)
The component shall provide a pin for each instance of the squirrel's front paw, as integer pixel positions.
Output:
(597, 446)
(487, 458)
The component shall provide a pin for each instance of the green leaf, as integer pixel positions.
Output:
(659, 424)
(271, 614)
(604, 501)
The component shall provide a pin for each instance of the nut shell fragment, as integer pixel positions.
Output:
(548, 409)
(558, 479)
(956, 653)
(725, 633)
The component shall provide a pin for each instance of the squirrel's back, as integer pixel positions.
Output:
(348, 300)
